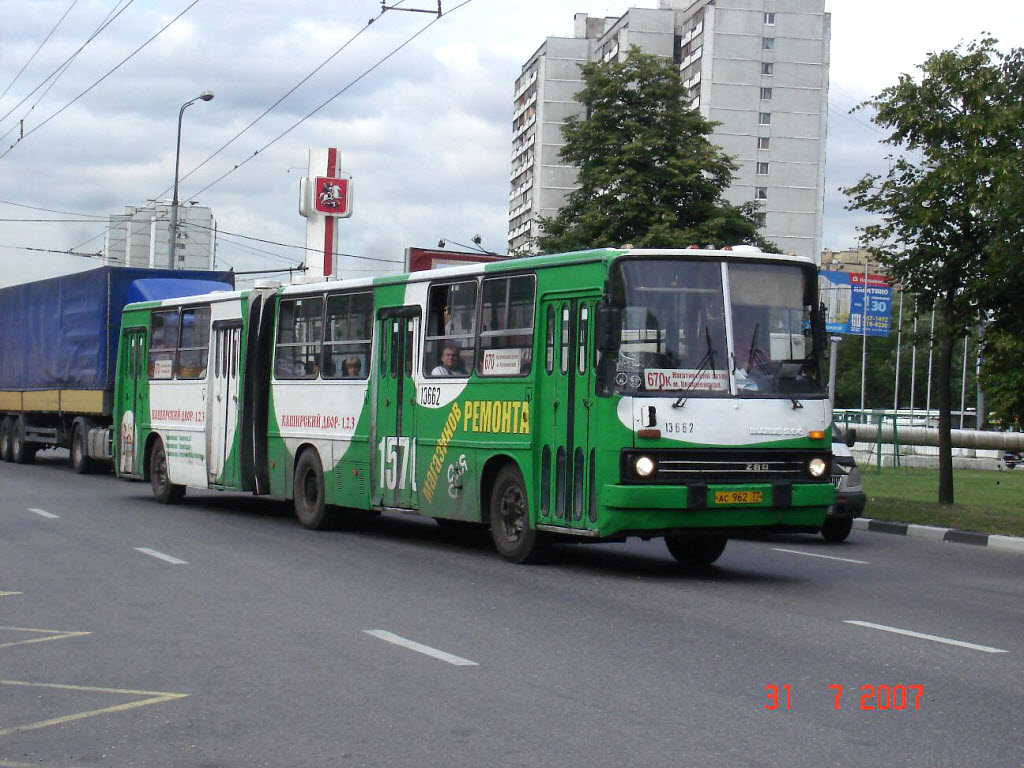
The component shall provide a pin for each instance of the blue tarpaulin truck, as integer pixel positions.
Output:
(58, 349)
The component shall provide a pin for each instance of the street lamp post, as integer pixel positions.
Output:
(172, 237)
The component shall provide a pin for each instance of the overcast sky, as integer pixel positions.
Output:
(426, 135)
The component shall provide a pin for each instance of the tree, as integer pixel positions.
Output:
(945, 231)
(1003, 373)
(648, 173)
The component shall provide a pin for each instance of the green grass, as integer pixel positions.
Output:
(986, 501)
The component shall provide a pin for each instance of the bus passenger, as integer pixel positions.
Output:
(352, 368)
(451, 363)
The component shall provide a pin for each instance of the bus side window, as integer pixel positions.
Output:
(299, 333)
(451, 323)
(506, 338)
(194, 344)
(347, 336)
(163, 344)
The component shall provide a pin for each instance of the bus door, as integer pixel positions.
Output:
(222, 404)
(567, 391)
(134, 402)
(394, 455)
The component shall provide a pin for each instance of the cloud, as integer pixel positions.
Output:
(426, 135)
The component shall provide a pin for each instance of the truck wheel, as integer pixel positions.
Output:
(514, 538)
(21, 451)
(836, 529)
(6, 439)
(80, 461)
(695, 551)
(310, 505)
(164, 490)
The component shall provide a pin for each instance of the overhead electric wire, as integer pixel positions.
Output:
(111, 16)
(39, 48)
(265, 112)
(50, 250)
(287, 93)
(108, 74)
(328, 101)
(299, 247)
(54, 210)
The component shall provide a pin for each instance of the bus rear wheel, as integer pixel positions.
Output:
(6, 439)
(310, 504)
(695, 551)
(514, 538)
(164, 490)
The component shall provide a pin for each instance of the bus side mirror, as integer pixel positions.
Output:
(820, 338)
(851, 437)
(608, 331)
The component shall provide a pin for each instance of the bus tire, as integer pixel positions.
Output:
(81, 464)
(836, 529)
(6, 439)
(310, 504)
(21, 451)
(514, 538)
(695, 551)
(164, 490)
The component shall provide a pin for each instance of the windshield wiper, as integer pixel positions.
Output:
(755, 356)
(708, 361)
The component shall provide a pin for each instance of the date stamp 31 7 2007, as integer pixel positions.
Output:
(872, 697)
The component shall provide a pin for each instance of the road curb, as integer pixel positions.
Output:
(950, 535)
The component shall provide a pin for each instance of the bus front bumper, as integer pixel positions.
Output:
(665, 507)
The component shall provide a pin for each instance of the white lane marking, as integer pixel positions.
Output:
(161, 556)
(827, 557)
(922, 636)
(44, 513)
(389, 637)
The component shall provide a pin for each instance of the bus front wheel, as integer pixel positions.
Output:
(695, 551)
(164, 490)
(310, 505)
(514, 538)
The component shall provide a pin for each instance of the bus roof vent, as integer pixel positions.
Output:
(265, 282)
(746, 249)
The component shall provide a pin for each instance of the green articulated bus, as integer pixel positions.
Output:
(588, 396)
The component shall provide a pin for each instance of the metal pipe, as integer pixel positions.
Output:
(962, 438)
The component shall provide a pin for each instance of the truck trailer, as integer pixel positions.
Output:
(58, 350)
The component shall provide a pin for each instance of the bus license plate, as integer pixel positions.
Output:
(739, 497)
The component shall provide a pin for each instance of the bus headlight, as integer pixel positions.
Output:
(817, 467)
(644, 466)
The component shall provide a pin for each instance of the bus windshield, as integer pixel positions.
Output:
(675, 335)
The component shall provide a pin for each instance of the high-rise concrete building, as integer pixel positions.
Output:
(759, 68)
(140, 237)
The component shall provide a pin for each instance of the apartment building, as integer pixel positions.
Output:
(140, 237)
(759, 68)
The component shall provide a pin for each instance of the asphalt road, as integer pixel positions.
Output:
(220, 633)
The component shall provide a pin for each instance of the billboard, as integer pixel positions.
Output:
(856, 303)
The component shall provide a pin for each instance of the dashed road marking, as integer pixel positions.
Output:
(922, 636)
(826, 557)
(161, 556)
(44, 513)
(153, 697)
(412, 645)
(51, 634)
(8, 594)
